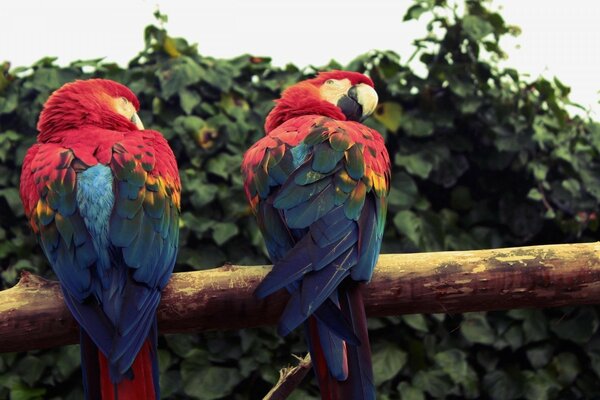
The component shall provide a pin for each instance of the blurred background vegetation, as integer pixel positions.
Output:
(482, 158)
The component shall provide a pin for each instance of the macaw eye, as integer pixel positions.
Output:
(124, 100)
(329, 81)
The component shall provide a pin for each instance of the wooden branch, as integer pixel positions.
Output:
(32, 313)
(289, 379)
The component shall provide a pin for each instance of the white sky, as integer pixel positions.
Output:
(559, 38)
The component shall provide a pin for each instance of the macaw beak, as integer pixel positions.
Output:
(359, 102)
(137, 121)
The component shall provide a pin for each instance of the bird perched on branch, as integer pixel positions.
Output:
(318, 183)
(102, 196)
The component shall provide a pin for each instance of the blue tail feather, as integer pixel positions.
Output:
(334, 351)
(319, 285)
(329, 314)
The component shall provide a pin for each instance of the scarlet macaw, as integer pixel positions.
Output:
(318, 183)
(102, 196)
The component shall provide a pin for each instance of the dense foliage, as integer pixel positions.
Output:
(482, 158)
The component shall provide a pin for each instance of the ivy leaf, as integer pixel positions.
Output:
(68, 361)
(540, 385)
(415, 164)
(407, 223)
(413, 125)
(476, 27)
(390, 115)
(416, 321)
(501, 386)
(408, 392)
(188, 99)
(30, 368)
(567, 367)
(222, 232)
(579, 327)
(210, 382)
(454, 363)
(476, 329)
(183, 72)
(21, 392)
(434, 382)
(539, 356)
(388, 360)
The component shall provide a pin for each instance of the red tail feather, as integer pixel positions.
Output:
(140, 387)
(328, 386)
(360, 383)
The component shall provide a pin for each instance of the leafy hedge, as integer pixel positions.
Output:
(482, 158)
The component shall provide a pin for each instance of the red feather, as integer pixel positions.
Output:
(140, 387)
(328, 386)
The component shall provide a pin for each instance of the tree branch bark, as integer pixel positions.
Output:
(33, 315)
(289, 379)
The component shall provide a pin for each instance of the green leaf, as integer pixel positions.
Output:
(224, 165)
(11, 195)
(164, 360)
(30, 369)
(68, 361)
(595, 361)
(414, 12)
(535, 324)
(416, 321)
(476, 329)
(222, 232)
(540, 356)
(514, 337)
(408, 392)
(567, 367)
(476, 27)
(434, 382)
(415, 126)
(403, 191)
(390, 115)
(183, 72)
(535, 194)
(408, 224)
(9, 103)
(572, 186)
(188, 99)
(218, 75)
(415, 164)
(47, 78)
(388, 360)
(454, 363)
(210, 382)
(26, 393)
(540, 385)
(501, 386)
(182, 345)
(578, 327)
(170, 383)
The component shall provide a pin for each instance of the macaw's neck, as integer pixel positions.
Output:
(300, 100)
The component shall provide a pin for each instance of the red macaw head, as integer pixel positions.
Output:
(98, 102)
(342, 95)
